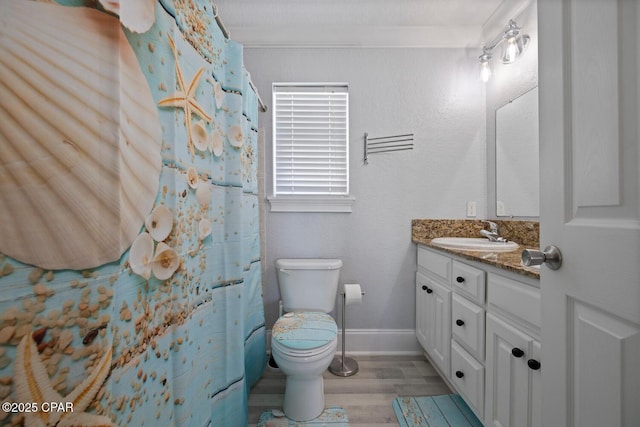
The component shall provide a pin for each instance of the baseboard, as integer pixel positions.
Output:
(377, 342)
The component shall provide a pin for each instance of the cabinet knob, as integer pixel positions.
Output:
(424, 287)
(460, 279)
(429, 290)
(533, 364)
(460, 322)
(459, 374)
(517, 352)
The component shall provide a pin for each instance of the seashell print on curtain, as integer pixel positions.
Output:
(130, 270)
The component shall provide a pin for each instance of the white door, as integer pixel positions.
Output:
(589, 63)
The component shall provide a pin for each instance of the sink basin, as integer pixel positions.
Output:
(478, 244)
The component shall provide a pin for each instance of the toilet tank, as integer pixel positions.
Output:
(308, 284)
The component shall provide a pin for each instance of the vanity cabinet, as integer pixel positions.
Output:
(479, 326)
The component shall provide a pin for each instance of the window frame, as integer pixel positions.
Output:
(305, 202)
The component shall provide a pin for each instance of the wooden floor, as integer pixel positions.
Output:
(366, 396)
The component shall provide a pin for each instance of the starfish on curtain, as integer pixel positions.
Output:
(33, 385)
(185, 97)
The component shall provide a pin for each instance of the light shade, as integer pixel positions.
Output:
(485, 67)
(513, 44)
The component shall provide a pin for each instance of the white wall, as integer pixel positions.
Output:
(435, 94)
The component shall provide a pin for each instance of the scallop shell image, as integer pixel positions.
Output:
(192, 177)
(235, 136)
(217, 144)
(136, 15)
(165, 262)
(203, 193)
(200, 137)
(80, 137)
(159, 223)
(204, 228)
(141, 255)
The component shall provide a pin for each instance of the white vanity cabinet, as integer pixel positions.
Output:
(479, 326)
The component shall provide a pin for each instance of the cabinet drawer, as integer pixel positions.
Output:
(467, 325)
(469, 280)
(515, 298)
(435, 264)
(467, 375)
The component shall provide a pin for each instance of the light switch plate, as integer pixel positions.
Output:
(471, 209)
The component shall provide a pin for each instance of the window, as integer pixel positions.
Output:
(310, 147)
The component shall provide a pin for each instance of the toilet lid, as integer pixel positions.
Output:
(304, 330)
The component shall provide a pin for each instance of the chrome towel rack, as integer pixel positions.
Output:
(385, 144)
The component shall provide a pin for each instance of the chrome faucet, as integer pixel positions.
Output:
(492, 234)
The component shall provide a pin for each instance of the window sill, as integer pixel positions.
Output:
(334, 204)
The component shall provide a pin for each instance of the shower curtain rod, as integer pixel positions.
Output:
(225, 33)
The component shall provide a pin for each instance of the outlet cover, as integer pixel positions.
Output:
(471, 209)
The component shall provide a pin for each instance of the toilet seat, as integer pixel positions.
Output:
(304, 333)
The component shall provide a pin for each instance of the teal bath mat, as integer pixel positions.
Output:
(434, 411)
(331, 417)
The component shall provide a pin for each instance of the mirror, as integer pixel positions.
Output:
(517, 163)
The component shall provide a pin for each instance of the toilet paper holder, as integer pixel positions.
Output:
(344, 366)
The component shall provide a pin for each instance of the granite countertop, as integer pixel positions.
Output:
(525, 233)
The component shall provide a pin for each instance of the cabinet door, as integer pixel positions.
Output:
(509, 382)
(439, 308)
(536, 390)
(422, 323)
(433, 317)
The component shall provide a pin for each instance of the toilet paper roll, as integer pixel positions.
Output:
(352, 294)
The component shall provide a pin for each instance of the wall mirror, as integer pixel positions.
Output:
(517, 163)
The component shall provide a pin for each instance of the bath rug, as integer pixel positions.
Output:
(331, 417)
(434, 411)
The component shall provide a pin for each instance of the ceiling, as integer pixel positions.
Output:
(363, 23)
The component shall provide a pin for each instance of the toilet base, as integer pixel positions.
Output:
(304, 398)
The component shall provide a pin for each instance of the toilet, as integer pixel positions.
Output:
(304, 338)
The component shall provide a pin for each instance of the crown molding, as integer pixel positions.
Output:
(508, 9)
(353, 36)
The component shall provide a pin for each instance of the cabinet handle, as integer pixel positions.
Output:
(460, 322)
(460, 279)
(533, 364)
(429, 290)
(424, 287)
(517, 352)
(459, 374)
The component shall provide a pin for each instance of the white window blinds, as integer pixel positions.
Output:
(311, 134)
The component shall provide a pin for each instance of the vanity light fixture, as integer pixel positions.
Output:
(485, 68)
(513, 44)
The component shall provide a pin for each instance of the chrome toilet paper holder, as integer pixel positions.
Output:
(344, 366)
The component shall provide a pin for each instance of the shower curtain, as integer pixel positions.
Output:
(130, 270)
